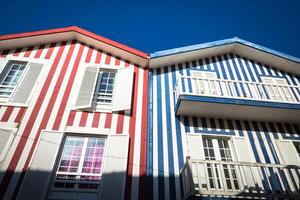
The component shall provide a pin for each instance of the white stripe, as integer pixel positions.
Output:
(155, 140)
(89, 120)
(44, 52)
(256, 143)
(264, 139)
(102, 121)
(114, 121)
(33, 52)
(265, 70)
(2, 111)
(246, 69)
(225, 67)
(14, 114)
(137, 137)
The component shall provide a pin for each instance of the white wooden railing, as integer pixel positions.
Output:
(236, 89)
(236, 179)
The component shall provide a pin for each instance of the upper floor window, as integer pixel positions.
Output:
(278, 89)
(204, 82)
(106, 89)
(80, 163)
(10, 76)
(17, 79)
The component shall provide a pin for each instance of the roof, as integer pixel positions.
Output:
(73, 33)
(232, 45)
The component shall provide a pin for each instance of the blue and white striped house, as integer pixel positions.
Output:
(223, 121)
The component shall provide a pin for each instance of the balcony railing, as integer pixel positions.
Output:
(239, 179)
(236, 89)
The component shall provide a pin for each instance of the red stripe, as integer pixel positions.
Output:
(67, 92)
(71, 118)
(17, 154)
(89, 54)
(120, 122)
(50, 51)
(127, 63)
(28, 51)
(96, 120)
(83, 119)
(143, 151)
(7, 113)
(117, 61)
(108, 120)
(4, 53)
(51, 102)
(20, 115)
(131, 135)
(108, 58)
(39, 51)
(99, 55)
(17, 52)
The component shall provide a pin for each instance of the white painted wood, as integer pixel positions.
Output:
(123, 89)
(36, 180)
(242, 149)
(87, 88)
(288, 152)
(3, 62)
(24, 88)
(6, 137)
(195, 146)
(114, 174)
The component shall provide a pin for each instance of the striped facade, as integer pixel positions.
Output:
(50, 108)
(168, 132)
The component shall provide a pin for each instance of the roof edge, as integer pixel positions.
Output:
(77, 30)
(217, 43)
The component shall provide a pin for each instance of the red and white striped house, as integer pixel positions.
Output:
(73, 110)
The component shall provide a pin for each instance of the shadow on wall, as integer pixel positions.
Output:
(289, 178)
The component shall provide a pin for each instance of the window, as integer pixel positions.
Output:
(105, 87)
(10, 77)
(219, 149)
(80, 164)
(278, 89)
(297, 146)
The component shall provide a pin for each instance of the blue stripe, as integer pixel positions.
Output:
(207, 63)
(222, 67)
(150, 136)
(252, 143)
(186, 124)
(242, 69)
(161, 180)
(270, 143)
(188, 73)
(249, 69)
(239, 127)
(201, 64)
(182, 79)
(261, 143)
(216, 67)
(169, 136)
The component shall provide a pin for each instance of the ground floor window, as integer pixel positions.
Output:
(80, 163)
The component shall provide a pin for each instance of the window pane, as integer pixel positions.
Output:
(106, 86)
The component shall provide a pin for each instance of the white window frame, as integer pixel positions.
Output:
(10, 62)
(8, 144)
(98, 106)
(85, 136)
(284, 94)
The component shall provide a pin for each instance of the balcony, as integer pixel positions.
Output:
(237, 99)
(237, 179)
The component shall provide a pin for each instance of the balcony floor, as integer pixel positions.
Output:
(192, 105)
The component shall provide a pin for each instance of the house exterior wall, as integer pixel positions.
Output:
(167, 132)
(51, 108)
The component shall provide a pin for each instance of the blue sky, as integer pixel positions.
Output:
(158, 25)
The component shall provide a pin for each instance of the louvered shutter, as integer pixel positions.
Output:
(37, 177)
(195, 147)
(243, 153)
(212, 83)
(122, 96)
(198, 83)
(3, 63)
(288, 152)
(87, 88)
(6, 136)
(114, 174)
(284, 90)
(24, 88)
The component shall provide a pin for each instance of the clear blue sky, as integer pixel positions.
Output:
(158, 25)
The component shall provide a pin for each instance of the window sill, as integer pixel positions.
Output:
(5, 103)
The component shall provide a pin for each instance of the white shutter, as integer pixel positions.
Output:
(87, 88)
(36, 180)
(3, 63)
(242, 149)
(198, 83)
(24, 89)
(6, 136)
(123, 89)
(195, 147)
(288, 152)
(114, 174)
(212, 82)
